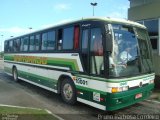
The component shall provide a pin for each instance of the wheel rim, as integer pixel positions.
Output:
(67, 91)
(15, 74)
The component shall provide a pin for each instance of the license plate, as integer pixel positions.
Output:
(138, 95)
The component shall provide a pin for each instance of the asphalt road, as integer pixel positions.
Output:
(27, 95)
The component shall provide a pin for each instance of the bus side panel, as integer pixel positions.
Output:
(34, 75)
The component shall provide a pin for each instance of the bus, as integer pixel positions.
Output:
(102, 62)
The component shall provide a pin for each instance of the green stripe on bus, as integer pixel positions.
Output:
(61, 62)
(9, 57)
(38, 79)
(71, 63)
(35, 78)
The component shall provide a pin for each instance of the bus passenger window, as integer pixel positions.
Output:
(32, 43)
(16, 45)
(60, 33)
(67, 42)
(37, 42)
(96, 51)
(24, 44)
(44, 41)
(6, 46)
(85, 47)
(76, 37)
(51, 40)
(11, 46)
(26, 41)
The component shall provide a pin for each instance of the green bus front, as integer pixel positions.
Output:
(122, 74)
(130, 66)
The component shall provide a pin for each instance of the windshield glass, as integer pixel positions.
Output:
(131, 52)
(145, 50)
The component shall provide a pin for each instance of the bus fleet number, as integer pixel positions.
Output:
(80, 81)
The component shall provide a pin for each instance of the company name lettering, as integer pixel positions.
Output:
(31, 59)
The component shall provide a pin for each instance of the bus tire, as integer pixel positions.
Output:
(15, 74)
(68, 91)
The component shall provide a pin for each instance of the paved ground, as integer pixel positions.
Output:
(27, 95)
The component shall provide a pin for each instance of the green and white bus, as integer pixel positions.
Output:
(87, 60)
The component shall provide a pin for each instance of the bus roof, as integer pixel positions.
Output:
(107, 19)
(117, 20)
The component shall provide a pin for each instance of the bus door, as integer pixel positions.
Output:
(85, 47)
(96, 53)
(92, 56)
(92, 50)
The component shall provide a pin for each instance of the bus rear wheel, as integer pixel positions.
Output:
(68, 91)
(15, 74)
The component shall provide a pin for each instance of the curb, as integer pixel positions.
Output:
(49, 112)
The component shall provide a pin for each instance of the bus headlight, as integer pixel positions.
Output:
(119, 89)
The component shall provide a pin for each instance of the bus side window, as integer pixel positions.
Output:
(37, 42)
(11, 46)
(24, 43)
(21, 47)
(60, 34)
(85, 35)
(44, 41)
(76, 37)
(68, 34)
(32, 43)
(51, 40)
(16, 45)
(6, 46)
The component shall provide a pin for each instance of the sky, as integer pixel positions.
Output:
(17, 16)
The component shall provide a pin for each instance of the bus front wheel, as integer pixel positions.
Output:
(68, 91)
(15, 74)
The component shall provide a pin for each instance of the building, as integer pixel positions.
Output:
(147, 12)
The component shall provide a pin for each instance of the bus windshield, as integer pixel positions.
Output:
(131, 53)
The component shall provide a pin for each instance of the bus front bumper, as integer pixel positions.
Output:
(115, 101)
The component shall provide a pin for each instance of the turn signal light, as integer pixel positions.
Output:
(119, 89)
(114, 89)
